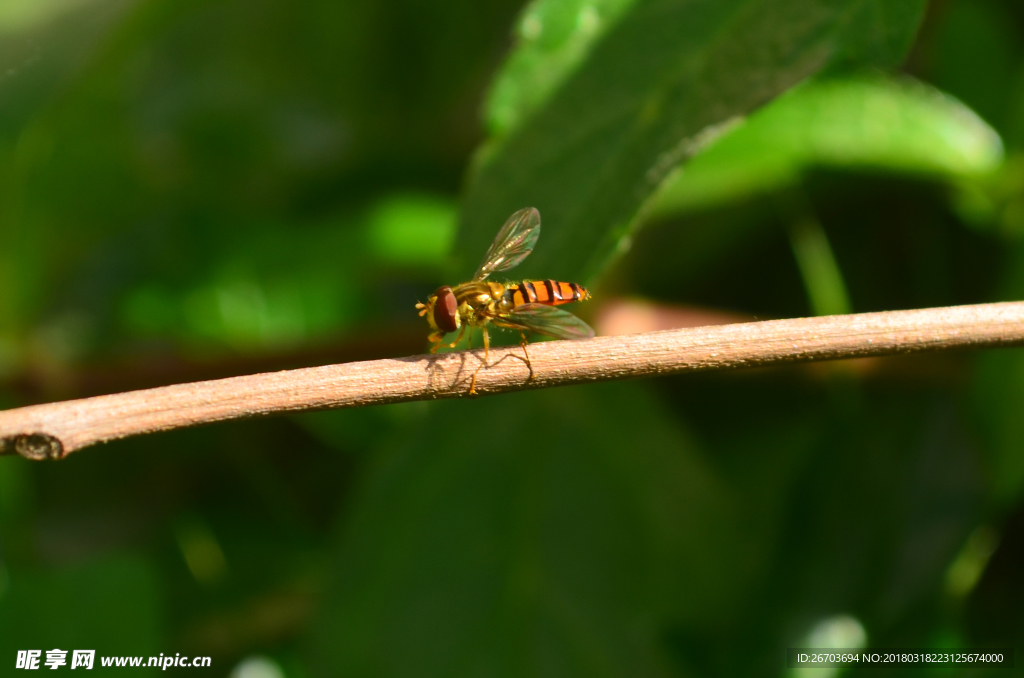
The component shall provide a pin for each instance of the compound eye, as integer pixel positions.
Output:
(446, 310)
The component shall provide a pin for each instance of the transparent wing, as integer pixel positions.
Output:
(547, 320)
(513, 243)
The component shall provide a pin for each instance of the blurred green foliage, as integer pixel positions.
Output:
(193, 189)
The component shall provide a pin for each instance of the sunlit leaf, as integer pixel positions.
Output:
(893, 125)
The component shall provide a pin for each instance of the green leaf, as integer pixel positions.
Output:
(646, 97)
(555, 36)
(895, 125)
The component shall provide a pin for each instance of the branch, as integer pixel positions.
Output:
(54, 430)
(39, 382)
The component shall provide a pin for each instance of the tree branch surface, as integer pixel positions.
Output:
(54, 430)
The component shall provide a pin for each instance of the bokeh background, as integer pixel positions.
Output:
(192, 189)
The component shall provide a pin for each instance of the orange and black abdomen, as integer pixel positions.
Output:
(548, 292)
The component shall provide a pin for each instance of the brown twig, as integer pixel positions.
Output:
(55, 430)
(42, 382)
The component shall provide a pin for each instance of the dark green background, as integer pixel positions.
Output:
(192, 189)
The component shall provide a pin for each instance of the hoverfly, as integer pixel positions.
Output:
(527, 306)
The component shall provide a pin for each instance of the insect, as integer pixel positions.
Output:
(527, 306)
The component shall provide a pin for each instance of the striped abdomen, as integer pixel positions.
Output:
(548, 292)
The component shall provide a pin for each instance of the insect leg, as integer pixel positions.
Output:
(522, 343)
(487, 348)
(458, 338)
(438, 337)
